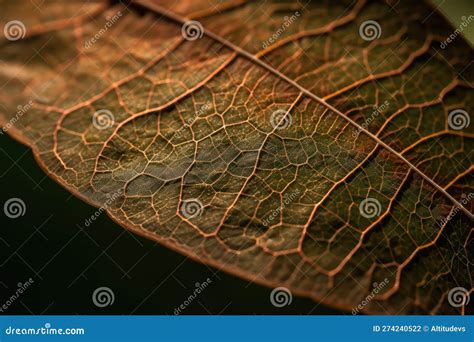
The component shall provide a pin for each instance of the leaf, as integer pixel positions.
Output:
(284, 144)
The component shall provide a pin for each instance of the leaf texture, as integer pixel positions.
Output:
(279, 204)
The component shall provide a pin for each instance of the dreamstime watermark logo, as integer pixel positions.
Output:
(281, 119)
(464, 200)
(370, 207)
(47, 329)
(191, 208)
(22, 287)
(458, 296)
(200, 287)
(280, 297)
(14, 30)
(287, 199)
(370, 30)
(191, 120)
(465, 21)
(103, 119)
(287, 21)
(192, 30)
(376, 112)
(21, 110)
(377, 287)
(103, 296)
(14, 208)
(108, 24)
(458, 119)
(107, 203)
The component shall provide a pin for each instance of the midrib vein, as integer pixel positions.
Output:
(181, 20)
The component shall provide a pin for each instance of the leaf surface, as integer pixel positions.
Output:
(194, 157)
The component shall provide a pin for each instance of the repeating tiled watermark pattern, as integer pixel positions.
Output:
(110, 199)
(464, 200)
(111, 21)
(458, 119)
(370, 30)
(375, 113)
(192, 30)
(199, 288)
(103, 296)
(465, 22)
(281, 119)
(287, 21)
(287, 199)
(14, 208)
(458, 297)
(103, 119)
(370, 207)
(22, 287)
(280, 297)
(21, 110)
(377, 287)
(191, 208)
(14, 30)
